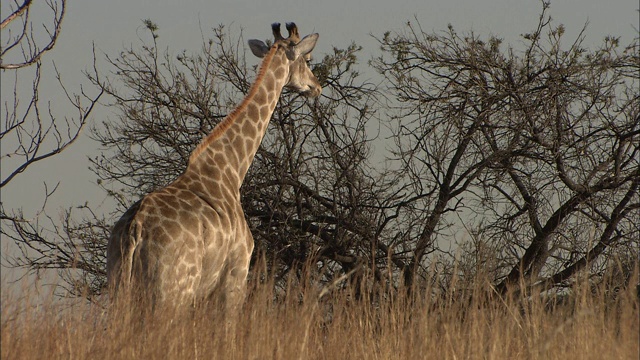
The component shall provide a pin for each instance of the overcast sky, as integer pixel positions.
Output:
(112, 25)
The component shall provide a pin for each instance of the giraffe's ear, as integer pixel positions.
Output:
(306, 45)
(258, 48)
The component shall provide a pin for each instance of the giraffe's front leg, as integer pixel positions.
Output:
(235, 288)
(235, 283)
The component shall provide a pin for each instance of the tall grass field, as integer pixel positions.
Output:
(303, 322)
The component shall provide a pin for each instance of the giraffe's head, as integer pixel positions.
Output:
(298, 54)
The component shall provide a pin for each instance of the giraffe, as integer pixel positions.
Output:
(189, 241)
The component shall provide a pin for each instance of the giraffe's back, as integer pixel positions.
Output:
(170, 246)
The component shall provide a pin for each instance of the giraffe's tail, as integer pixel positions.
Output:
(121, 250)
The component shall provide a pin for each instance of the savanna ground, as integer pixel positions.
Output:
(469, 321)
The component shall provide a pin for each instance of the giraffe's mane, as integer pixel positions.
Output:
(222, 127)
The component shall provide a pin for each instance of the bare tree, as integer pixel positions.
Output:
(30, 131)
(22, 45)
(534, 152)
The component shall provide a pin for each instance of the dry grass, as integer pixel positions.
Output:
(588, 325)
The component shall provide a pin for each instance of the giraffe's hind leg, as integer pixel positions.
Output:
(235, 287)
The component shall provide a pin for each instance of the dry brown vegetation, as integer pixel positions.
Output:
(591, 322)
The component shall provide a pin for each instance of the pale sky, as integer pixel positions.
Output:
(115, 24)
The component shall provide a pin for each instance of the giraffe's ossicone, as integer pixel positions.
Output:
(189, 241)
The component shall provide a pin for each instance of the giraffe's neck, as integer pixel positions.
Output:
(227, 152)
